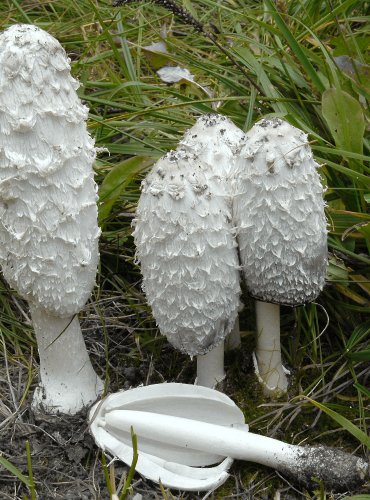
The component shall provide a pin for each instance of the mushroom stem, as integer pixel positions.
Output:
(233, 340)
(337, 468)
(268, 365)
(68, 380)
(210, 367)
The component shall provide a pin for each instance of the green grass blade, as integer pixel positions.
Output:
(362, 389)
(30, 471)
(343, 422)
(358, 497)
(247, 58)
(116, 180)
(360, 355)
(359, 334)
(358, 177)
(131, 472)
(15, 471)
(294, 45)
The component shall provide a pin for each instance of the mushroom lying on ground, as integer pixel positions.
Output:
(180, 427)
(187, 251)
(281, 230)
(48, 213)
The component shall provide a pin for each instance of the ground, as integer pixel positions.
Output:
(66, 464)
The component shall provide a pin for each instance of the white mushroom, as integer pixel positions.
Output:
(187, 250)
(215, 140)
(180, 427)
(48, 213)
(281, 231)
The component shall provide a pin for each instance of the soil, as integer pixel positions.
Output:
(66, 464)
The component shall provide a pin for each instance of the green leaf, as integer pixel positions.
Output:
(116, 181)
(345, 120)
(15, 471)
(343, 422)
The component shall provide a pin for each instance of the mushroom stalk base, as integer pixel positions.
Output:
(68, 382)
(210, 367)
(269, 369)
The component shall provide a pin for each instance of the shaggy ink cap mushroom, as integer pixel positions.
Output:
(278, 210)
(187, 252)
(279, 213)
(216, 141)
(181, 427)
(48, 213)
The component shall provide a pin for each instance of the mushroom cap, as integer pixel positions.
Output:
(187, 251)
(48, 213)
(215, 140)
(279, 214)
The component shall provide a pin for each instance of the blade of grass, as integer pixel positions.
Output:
(30, 471)
(362, 389)
(294, 45)
(131, 472)
(343, 422)
(15, 471)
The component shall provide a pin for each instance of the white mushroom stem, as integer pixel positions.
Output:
(210, 367)
(269, 368)
(202, 436)
(181, 428)
(68, 380)
(302, 463)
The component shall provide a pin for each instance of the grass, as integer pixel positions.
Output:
(309, 60)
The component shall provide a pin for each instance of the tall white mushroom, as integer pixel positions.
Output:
(215, 140)
(281, 231)
(48, 213)
(187, 250)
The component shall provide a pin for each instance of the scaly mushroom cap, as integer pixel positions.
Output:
(187, 252)
(48, 214)
(215, 140)
(279, 215)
